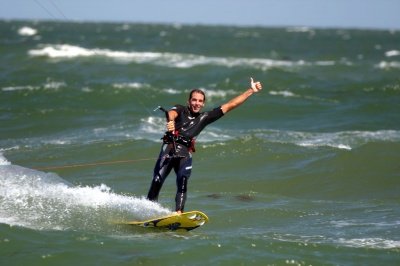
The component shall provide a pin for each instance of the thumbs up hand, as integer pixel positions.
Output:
(255, 85)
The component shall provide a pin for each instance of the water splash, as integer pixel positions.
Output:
(44, 201)
(3, 160)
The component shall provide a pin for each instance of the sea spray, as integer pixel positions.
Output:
(45, 201)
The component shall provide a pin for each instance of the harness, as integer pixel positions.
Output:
(174, 137)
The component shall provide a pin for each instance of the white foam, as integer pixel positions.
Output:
(131, 85)
(177, 60)
(283, 93)
(373, 243)
(44, 201)
(3, 160)
(153, 124)
(54, 85)
(27, 31)
(287, 93)
(20, 88)
(343, 147)
(80, 136)
(392, 53)
(148, 87)
(351, 223)
(388, 65)
(376, 243)
(300, 29)
(49, 85)
(171, 91)
(325, 63)
(319, 143)
(57, 142)
(214, 134)
(16, 147)
(210, 93)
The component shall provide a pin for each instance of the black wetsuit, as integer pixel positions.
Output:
(176, 154)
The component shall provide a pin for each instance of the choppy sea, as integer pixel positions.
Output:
(307, 172)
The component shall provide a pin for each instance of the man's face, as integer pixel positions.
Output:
(196, 103)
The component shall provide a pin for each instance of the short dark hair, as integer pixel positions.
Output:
(197, 91)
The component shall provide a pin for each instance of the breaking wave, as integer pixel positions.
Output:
(177, 60)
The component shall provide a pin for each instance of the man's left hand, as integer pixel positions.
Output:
(255, 85)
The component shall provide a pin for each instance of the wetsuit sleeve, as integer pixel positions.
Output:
(214, 115)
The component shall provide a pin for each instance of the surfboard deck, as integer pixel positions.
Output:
(184, 221)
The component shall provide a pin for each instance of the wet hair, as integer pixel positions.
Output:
(197, 91)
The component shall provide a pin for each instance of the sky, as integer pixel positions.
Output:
(367, 14)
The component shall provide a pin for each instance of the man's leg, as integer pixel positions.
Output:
(161, 170)
(183, 173)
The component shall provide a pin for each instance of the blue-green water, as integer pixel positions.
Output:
(304, 173)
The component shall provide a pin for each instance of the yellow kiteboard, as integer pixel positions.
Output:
(184, 221)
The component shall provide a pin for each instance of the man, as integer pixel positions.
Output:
(185, 123)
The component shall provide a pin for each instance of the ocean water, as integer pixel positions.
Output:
(306, 172)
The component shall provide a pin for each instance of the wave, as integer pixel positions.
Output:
(392, 53)
(374, 243)
(345, 140)
(287, 94)
(151, 129)
(145, 87)
(27, 31)
(44, 201)
(176, 60)
(49, 85)
(388, 65)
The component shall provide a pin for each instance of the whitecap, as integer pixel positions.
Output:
(392, 53)
(283, 93)
(57, 141)
(287, 93)
(214, 134)
(345, 140)
(388, 65)
(64, 50)
(376, 243)
(20, 88)
(49, 85)
(27, 31)
(302, 29)
(211, 93)
(177, 60)
(130, 85)
(298, 29)
(318, 143)
(325, 63)
(171, 91)
(54, 85)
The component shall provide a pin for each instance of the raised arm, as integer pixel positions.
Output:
(238, 100)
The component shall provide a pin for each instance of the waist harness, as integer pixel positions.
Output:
(174, 137)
